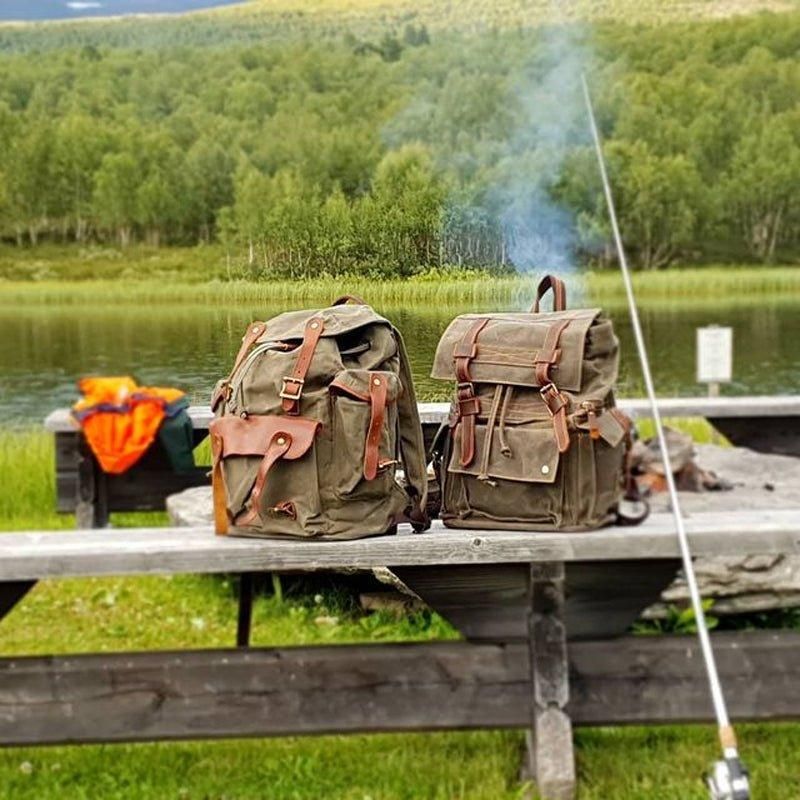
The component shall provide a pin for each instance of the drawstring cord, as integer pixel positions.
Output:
(505, 449)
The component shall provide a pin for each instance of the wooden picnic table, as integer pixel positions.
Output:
(543, 618)
(769, 424)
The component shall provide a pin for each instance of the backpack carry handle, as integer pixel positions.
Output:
(559, 293)
(348, 298)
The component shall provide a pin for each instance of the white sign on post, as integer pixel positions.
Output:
(714, 354)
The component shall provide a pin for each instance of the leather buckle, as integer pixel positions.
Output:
(552, 398)
(286, 394)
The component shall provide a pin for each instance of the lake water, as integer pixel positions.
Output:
(69, 9)
(43, 351)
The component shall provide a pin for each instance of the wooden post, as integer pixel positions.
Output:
(551, 759)
(244, 621)
(91, 508)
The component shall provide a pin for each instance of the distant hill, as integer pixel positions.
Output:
(260, 20)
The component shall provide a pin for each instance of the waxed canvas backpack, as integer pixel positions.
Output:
(312, 427)
(534, 440)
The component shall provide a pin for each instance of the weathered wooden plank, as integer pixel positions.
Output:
(434, 413)
(175, 550)
(274, 692)
(489, 602)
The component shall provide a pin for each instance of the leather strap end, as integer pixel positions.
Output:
(377, 398)
(467, 432)
(277, 448)
(219, 495)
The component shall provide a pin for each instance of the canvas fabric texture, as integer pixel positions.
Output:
(316, 431)
(534, 440)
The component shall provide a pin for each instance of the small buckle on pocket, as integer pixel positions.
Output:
(286, 394)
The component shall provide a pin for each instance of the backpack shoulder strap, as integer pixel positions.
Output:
(412, 444)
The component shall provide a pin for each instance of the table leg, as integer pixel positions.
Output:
(551, 760)
(245, 617)
(91, 508)
(11, 592)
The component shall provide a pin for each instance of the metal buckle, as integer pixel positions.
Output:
(551, 392)
(286, 394)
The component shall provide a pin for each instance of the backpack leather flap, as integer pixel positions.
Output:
(507, 348)
(530, 454)
(251, 436)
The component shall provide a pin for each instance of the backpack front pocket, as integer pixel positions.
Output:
(264, 467)
(363, 433)
(513, 478)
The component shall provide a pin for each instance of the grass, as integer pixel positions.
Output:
(64, 276)
(113, 614)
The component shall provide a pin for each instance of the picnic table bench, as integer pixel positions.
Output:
(765, 424)
(543, 618)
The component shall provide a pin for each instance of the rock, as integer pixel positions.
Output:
(396, 603)
(740, 584)
(191, 507)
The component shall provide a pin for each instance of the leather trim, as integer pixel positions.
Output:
(377, 397)
(559, 293)
(467, 404)
(550, 353)
(218, 490)
(251, 436)
(278, 447)
(313, 331)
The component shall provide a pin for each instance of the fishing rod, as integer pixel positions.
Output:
(728, 779)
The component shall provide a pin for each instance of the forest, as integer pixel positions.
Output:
(415, 148)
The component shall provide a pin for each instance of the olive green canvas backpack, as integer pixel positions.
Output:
(534, 440)
(312, 425)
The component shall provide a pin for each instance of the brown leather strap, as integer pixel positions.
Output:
(248, 340)
(377, 399)
(221, 521)
(467, 404)
(292, 389)
(557, 404)
(277, 448)
(349, 298)
(549, 353)
(251, 335)
(559, 293)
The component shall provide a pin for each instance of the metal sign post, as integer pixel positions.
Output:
(714, 357)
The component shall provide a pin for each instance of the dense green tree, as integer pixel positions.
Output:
(394, 148)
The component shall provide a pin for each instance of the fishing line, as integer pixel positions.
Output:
(728, 780)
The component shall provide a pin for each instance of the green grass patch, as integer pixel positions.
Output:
(448, 287)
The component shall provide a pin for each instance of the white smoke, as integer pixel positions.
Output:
(551, 121)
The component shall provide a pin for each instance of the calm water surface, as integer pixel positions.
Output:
(74, 9)
(43, 351)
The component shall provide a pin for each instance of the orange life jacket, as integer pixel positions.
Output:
(120, 420)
